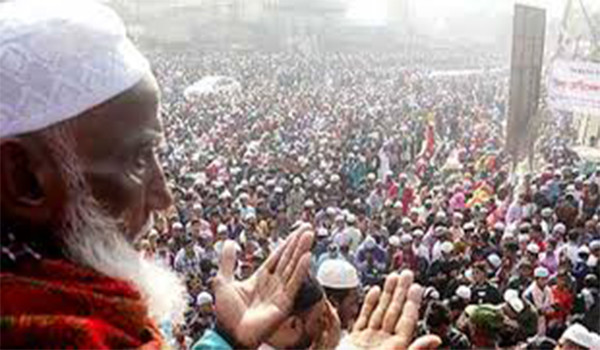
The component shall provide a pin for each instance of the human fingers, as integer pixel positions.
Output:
(365, 313)
(305, 241)
(410, 314)
(227, 260)
(393, 311)
(384, 301)
(426, 342)
(300, 272)
(271, 263)
(286, 255)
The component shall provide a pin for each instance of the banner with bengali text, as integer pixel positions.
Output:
(574, 86)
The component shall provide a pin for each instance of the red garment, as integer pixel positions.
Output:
(406, 260)
(55, 304)
(563, 299)
(392, 191)
(408, 197)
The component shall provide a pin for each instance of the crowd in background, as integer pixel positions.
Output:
(395, 168)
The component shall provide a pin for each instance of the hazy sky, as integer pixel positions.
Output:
(376, 11)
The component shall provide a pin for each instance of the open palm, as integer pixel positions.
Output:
(250, 310)
(388, 319)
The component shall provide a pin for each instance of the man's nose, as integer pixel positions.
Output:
(159, 196)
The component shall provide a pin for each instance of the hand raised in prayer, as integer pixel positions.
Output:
(388, 319)
(250, 310)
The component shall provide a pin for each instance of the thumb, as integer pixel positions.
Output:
(426, 342)
(227, 260)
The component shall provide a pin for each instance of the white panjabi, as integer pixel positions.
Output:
(59, 58)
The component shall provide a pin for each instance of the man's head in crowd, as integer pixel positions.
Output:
(80, 177)
(437, 318)
(313, 322)
(342, 286)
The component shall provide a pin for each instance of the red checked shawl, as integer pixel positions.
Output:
(55, 304)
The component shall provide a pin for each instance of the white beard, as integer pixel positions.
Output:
(94, 239)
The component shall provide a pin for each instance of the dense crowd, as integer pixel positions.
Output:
(395, 168)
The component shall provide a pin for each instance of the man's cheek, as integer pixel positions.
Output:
(120, 194)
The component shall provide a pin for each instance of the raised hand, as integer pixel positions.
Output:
(388, 319)
(250, 310)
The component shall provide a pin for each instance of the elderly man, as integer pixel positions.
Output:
(79, 125)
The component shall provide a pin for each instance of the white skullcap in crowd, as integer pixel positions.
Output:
(418, 233)
(464, 292)
(559, 228)
(533, 248)
(511, 297)
(322, 232)
(59, 59)
(495, 260)
(541, 272)
(337, 274)
(579, 335)
(204, 298)
(406, 238)
(222, 228)
(447, 247)
(394, 241)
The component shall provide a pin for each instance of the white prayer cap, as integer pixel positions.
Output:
(559, 228)
(495, 260)
(508, 236)
(418, 233)
(469, 226)
(447, 247)
(510, 294)
(337, 274)
(406, 238)
(511, 297)
(579, 335)
(547, 212)
(322, 232)
(222, 228)
(533, 248)
(464, 292)
(351, 218)
(583, 250)
(394, 241)
(204, 298)
(541, 272)
(59, 59)
(595, 244)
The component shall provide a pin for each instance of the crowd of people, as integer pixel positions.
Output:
(395, 168)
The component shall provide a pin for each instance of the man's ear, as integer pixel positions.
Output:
(32, 191)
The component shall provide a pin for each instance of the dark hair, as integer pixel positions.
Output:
(479, 265)
(437, 314)
(309, 294)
